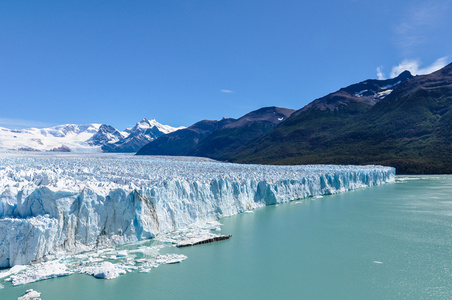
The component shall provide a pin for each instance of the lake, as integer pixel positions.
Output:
(386, 242)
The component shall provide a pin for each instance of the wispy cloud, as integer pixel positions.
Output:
(380, 74)
(419, 23)
(227, 91)
(414, 66)
(19, 123)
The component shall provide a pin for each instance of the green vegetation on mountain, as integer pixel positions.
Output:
(411, 129)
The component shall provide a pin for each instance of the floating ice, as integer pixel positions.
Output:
(12, 271)
(191, 235)
(104, 264)
(56, 204)
(30, 295)
(170, 258)
(39, 272)
(104, 270)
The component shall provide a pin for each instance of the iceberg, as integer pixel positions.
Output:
(104, 270)
(52, 205)
(170, 258)
(30, 295)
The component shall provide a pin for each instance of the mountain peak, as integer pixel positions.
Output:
(405, 75)
(139, 135)
(271, 115)
(150, 121)
(146, 124)
(361, 95)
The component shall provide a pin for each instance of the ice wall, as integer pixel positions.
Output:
(67, 204)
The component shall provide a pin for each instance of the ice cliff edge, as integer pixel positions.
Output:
(68, 204)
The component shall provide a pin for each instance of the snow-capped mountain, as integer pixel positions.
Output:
(150, 127)
(136, 137)
(106, 134)
(82, 138)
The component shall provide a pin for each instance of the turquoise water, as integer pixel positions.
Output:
(387, 242)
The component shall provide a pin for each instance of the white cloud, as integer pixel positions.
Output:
(380, 74)
(19, 123)
(227, 91)
(413, 65)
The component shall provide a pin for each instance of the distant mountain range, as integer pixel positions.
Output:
(216, 139)
(83, 138)
(136, 137)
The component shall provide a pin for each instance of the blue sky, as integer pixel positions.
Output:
(179, 62)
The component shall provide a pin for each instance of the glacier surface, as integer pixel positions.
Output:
(51, 205)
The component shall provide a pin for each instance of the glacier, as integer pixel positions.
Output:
(58, 204)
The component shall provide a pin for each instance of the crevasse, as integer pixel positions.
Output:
(67, 204)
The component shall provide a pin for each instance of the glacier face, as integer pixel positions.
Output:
(66, 203)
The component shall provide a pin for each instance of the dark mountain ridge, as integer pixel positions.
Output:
(215, 139)
(181, 142)
(238, 133)
(367, 92)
